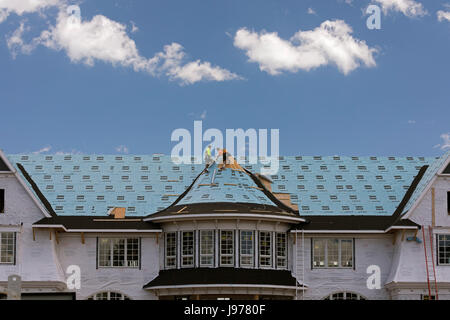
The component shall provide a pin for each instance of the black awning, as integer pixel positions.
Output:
(220, 276)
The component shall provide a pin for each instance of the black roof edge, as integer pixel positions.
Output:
(222, 275)
(396, 216)
(68, 222)
(270, 194)
(38, 192)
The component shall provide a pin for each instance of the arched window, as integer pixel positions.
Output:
(109, 295)
(345, 296)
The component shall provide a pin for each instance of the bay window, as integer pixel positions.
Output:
(171, 250)
(246, 248)
(265, 249)
(281, 250)
(206, 248)
(226, 248)
(187, 248)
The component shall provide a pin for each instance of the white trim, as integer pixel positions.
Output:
(401, 228)
(10, 228)
(22, 182)
(8, 164)
(357, 231)
(223, 285)
(94, 230)
(338, 231)
(424, 192)
(446, 162)
(224, 216)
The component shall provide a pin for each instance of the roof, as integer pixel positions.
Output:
(35, 189)
(227, 276)
(90, 184)
(227, 186)
(431, 172)
(366, 223)
(226, 191)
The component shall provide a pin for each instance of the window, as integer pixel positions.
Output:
(109, 295)
(427, 297)
(171, 250)
(187, 248)
(332, 253)
(345, 296)
(206, 248)
(7, 247)
(2, 200)
(265, 249)
(226, 248)
(118, 252)
(281, 251)
(246, 248)
(448, 202)
(443, 249)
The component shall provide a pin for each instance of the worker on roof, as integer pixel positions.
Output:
(222, 157)
(208, 157)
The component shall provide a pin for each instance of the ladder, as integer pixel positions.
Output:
(429, 263)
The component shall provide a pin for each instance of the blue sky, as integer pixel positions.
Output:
(57, 97)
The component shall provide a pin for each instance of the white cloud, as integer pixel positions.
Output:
(16, 44)
(105, 40)
(409, 8)
(412, 121)
(330, 43)
(100, 39)
(122, 149)
(72, 152)
(170, 62)
(203, 115)
(134, 28)
(446, 144)
(443, 15)
(42, 150)
(21, 7)
(311, 11)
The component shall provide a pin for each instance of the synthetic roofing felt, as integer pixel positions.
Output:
(144, 184)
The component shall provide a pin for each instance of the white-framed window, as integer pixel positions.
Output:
(118, 252)
(7, 247)
(332, 253)
(443, 249)
(187, 248)
(345, 296)
(281, 249)
(448, 202)
(2, 200)
(226, 248)
(246, 250)
(171, 250)
(109, 295)
(265, 249)
(207, 248)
